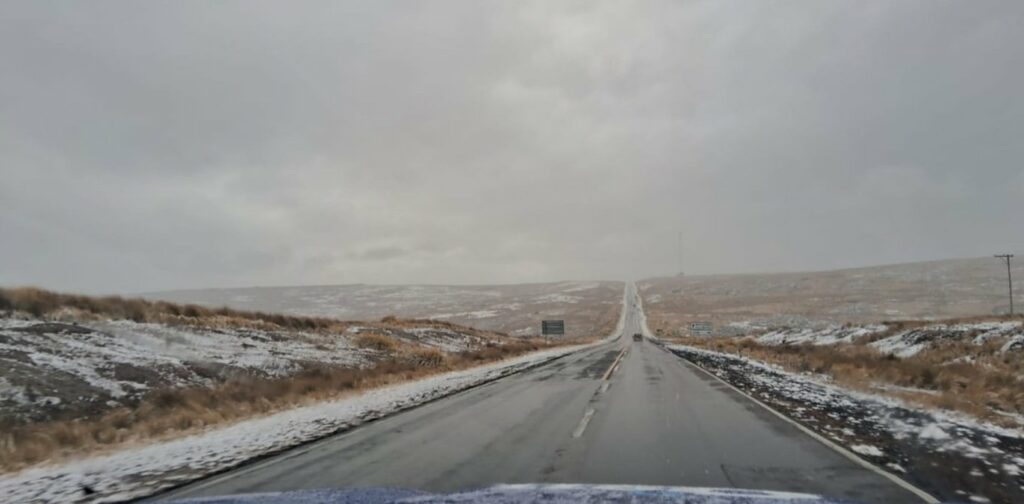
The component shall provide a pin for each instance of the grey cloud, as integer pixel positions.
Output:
(189, 144)
(380, 253)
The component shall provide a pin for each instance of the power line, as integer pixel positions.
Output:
(1009, 276)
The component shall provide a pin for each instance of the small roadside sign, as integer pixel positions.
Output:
(701, 328)
(552, 327)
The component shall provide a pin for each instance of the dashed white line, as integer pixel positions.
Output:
(583, 423)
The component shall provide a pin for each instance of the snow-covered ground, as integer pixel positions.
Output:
(944, 452)
(140, 471)
(827, 336)
(50, 369)
(1009, 335)
(911, 342)
(444, 339)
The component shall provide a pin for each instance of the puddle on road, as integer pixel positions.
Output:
(597, 368)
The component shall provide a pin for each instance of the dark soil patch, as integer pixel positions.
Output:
(130, 373)
(53, 327)
(215, 371)
(15, 355)
(77, 399)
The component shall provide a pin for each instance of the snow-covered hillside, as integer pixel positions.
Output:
(589, 308)
(54, 369)
(930, 290)
(891, 339)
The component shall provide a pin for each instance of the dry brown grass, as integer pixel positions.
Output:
(376, 341)
(924, 290)
(43, 303)
(172, 412)
(427, 358)
(51, 305)
(984, 387)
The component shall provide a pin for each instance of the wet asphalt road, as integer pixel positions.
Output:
(655, 420)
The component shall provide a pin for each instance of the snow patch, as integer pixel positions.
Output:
(831, 335)
(558, 298)
(869, 450)
(933, 432)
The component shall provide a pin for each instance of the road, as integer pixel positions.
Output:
(651, 419)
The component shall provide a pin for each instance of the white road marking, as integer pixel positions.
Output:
(925, 496)
(583, 423)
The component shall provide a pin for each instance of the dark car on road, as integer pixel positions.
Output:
(638, 337)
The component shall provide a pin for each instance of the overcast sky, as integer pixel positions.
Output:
(158, 145)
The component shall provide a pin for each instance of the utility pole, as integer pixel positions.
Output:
(1009, 276)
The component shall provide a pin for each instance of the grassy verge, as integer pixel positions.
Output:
(54, 305)
(39, 303)
(172, 412)
(978, 380)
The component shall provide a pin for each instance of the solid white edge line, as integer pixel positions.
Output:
(925, 496)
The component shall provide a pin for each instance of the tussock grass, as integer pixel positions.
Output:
(428, 358)
(52, 305)
(42, 303)
(173, 412)
(376, 341)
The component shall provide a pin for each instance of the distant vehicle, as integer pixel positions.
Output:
(638, 337)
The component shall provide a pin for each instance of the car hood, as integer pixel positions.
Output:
(509, 494)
